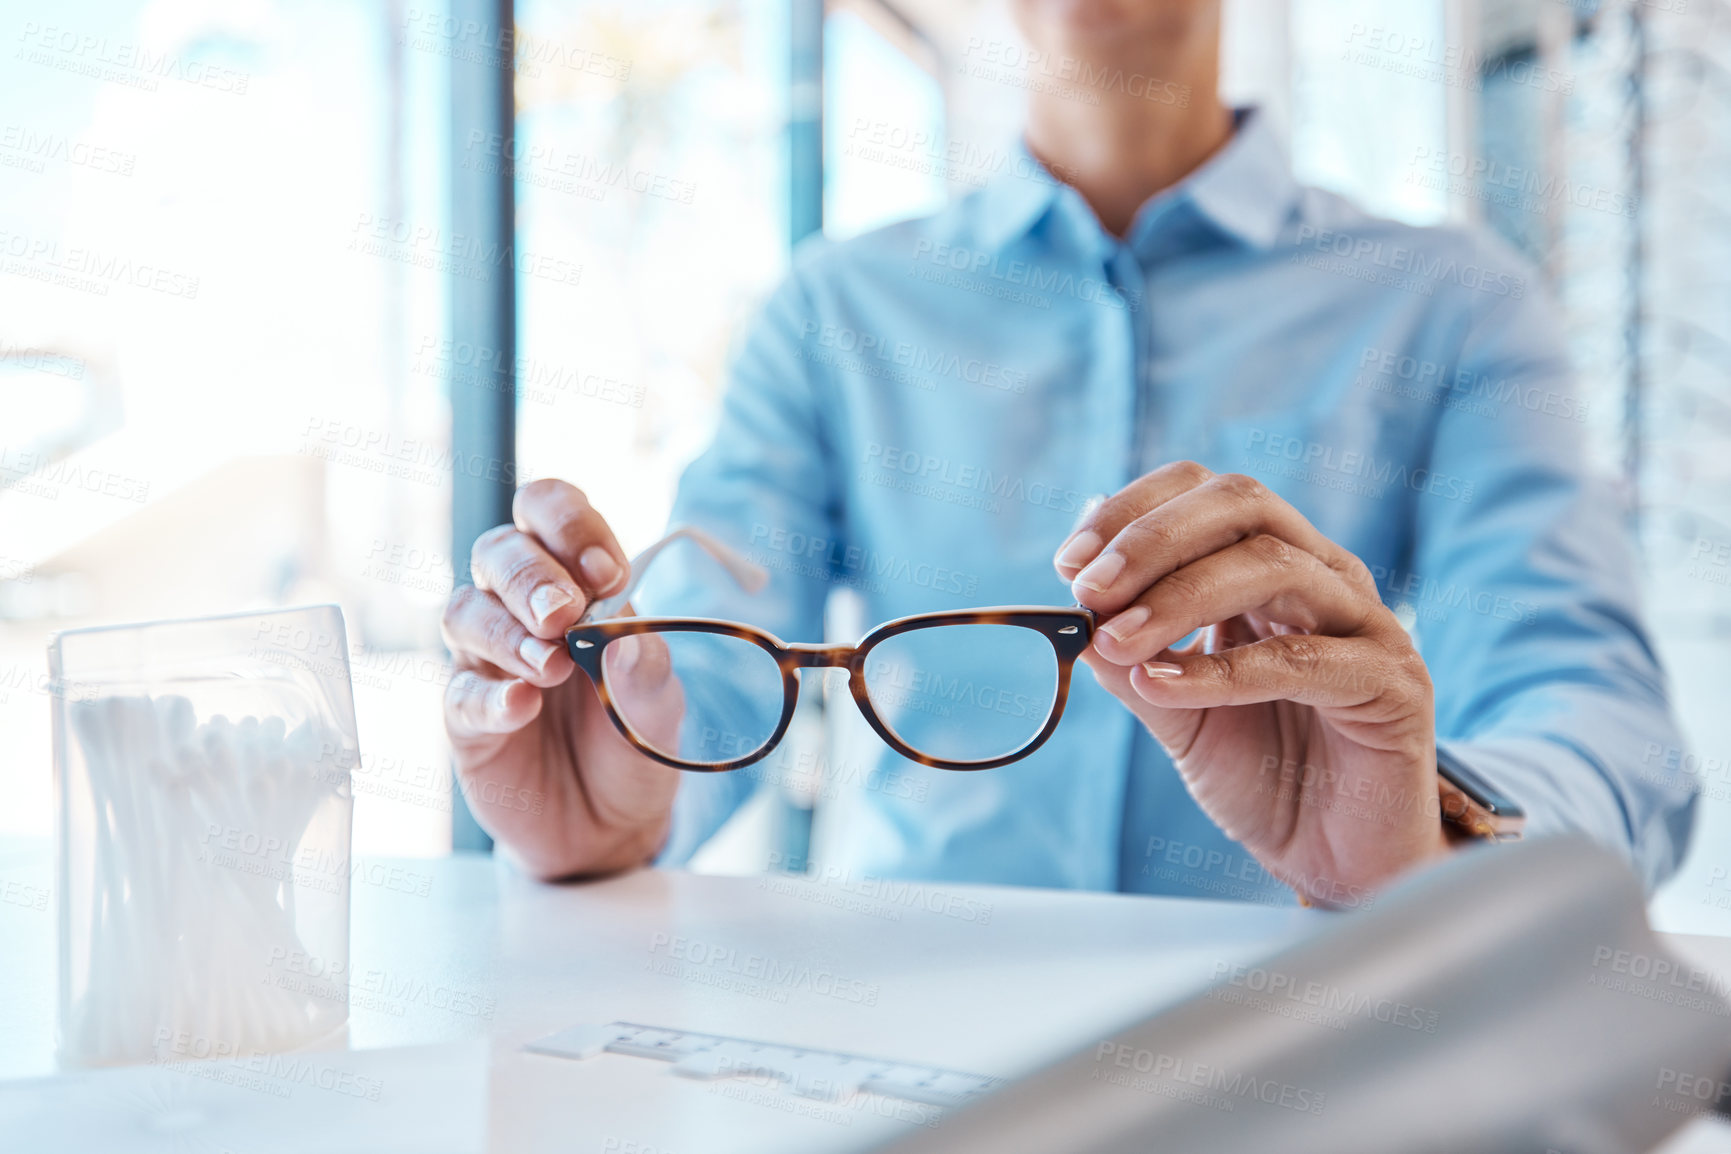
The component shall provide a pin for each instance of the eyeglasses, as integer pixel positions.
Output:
(971, 689)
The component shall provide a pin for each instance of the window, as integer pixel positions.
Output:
(220, 314)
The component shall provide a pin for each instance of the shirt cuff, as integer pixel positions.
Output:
(1560, 791)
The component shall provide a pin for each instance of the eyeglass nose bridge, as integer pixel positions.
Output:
(813, 656)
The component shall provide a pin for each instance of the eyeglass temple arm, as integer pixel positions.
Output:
(748, 575)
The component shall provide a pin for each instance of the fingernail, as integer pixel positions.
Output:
(598, 567)
(1161, 669)
(548, 599)
(1102, 572)
(499, 698)
(536, 652)
(1079, 550)
(1122, 626)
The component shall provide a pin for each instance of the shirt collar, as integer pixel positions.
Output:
(1246, 190)
(1016, 199)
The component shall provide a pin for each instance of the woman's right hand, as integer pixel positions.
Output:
(540, 763)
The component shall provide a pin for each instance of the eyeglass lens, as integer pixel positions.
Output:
(953, 692)
(963, 692)
(703, 698)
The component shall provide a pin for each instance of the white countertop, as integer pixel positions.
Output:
(983, 979)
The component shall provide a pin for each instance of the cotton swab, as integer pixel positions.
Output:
(183, 930)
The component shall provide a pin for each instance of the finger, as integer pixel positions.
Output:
(477, 706)
(1262, 574)
(638, 660)
(538, 591)
(1209, 517)
(638, 671)
(1326, 672)
(561, 518)
(476, 626)
(1111, 515)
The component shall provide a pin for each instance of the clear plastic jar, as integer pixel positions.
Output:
(201, 776)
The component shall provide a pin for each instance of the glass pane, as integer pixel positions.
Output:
(1371, 88)
(700, 697)
(216, 308)
(886, 155)
(648, 160)
(964, 692)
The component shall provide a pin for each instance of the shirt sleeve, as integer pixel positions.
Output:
(1546, 681)
(764, 486)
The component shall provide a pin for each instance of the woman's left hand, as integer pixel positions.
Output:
(1301, 717)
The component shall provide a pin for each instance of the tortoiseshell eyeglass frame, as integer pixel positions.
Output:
(1068, 630)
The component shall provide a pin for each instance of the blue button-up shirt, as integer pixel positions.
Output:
(920, 413)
